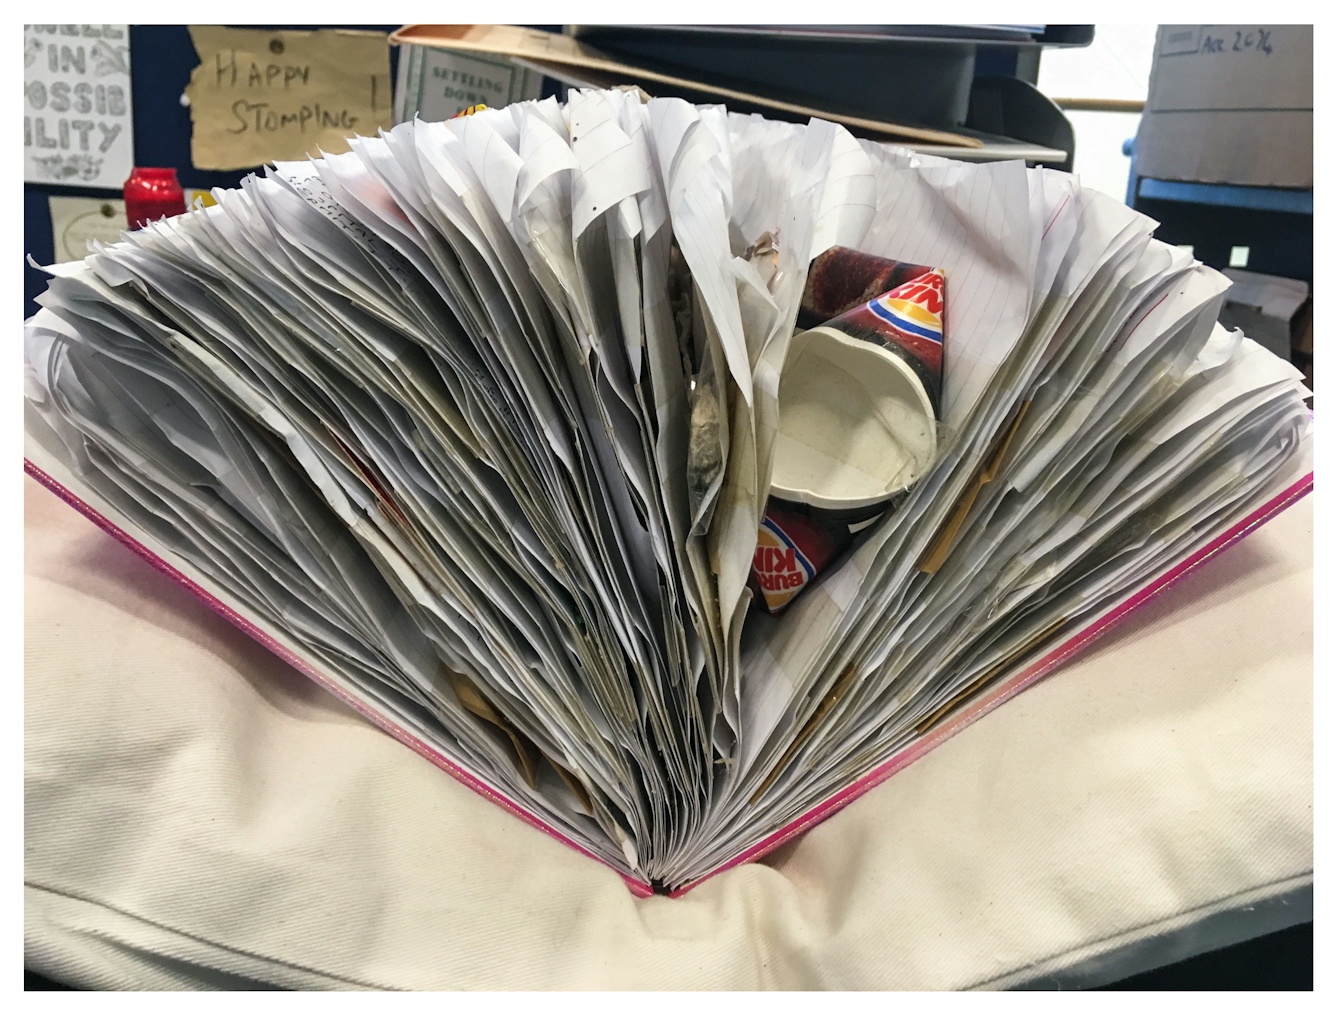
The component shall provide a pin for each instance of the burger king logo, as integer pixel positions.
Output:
(781, 568)
(916, 307)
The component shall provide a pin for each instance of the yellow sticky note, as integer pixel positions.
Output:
(257, 96)
(194, 194)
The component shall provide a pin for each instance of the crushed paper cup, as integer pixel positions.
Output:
(892, 303)
(859, 407)
(841, 279)
(795, 542)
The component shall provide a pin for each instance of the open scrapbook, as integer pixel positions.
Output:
(670, 476)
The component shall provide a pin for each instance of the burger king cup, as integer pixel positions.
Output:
(859, 398)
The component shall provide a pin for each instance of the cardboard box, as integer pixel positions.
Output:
(1265, 308)
(1230, 104)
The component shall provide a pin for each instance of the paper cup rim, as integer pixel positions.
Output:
(817, 500)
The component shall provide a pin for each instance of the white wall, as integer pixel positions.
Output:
(1115, 66)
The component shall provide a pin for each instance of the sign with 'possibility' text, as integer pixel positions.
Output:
(259, 96)
(76, 105)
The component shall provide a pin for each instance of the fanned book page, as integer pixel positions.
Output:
(669, 475)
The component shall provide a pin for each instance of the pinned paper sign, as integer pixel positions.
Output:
(259, 97)
(75, 222)
(76, 105)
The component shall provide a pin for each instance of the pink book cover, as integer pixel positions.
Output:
(1065, 645)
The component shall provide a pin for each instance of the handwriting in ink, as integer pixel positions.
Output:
(256, 75)
(1259, 40)
(260, 118)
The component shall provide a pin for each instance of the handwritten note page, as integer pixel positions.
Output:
(76, 105)
(258, 96)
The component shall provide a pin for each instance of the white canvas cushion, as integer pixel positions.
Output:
(199, 814)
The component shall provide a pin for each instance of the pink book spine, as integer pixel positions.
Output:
(992, 700)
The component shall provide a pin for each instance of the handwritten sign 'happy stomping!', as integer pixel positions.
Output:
(76, 105)
(257, 96)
